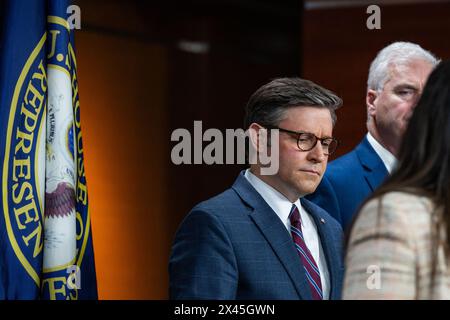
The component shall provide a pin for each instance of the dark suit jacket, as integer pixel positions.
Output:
(348, 181)
(234, 246)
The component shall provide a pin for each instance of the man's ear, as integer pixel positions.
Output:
(371, 98)
(258, 140)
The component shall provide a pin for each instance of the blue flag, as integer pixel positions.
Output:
(46, 247)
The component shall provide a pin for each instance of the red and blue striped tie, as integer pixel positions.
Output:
(310, 265)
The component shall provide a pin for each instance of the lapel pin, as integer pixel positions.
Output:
(322, 220)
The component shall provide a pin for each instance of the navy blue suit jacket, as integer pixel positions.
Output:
(234, 246)
(348, 181)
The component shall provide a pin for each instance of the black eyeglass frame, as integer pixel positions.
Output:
(299, 133)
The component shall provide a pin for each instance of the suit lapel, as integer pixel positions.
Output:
(328, 246)
(276, 235)
(374, 169)
(376, 176)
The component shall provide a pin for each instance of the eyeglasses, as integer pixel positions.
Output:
(306, 141)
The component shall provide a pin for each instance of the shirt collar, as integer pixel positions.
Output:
(387, 157)
(277, 201)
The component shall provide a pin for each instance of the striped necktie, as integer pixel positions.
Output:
(310, 265)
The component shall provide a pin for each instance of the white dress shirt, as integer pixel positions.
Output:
(282, 207)
(388, 158)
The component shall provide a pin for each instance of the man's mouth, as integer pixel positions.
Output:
(311, 171)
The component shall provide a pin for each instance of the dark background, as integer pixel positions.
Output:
(147, 68)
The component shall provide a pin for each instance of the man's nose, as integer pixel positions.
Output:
(317, 153)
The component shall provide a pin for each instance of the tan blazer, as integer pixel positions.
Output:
(389, 254)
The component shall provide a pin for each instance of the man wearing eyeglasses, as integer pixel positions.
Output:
(261, 239)
(396, 79)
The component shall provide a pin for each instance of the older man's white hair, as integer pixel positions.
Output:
(397, 53)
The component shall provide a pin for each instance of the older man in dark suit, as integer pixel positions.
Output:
(396, 78)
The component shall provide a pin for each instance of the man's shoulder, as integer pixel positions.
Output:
(227, 203)
(343, 168)
(349, 159)
(346, 164)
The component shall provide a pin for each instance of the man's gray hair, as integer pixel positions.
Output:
(397, 53)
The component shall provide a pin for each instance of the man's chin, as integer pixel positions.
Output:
(307, 189)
